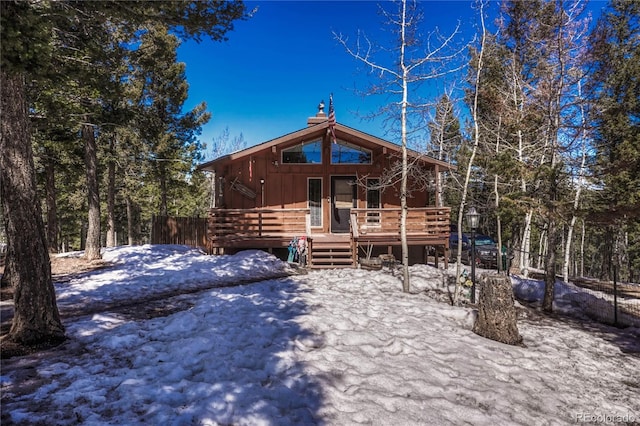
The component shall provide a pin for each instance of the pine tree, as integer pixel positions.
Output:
(75, 37)
(614, 88)
(169, 135)
(24, 45)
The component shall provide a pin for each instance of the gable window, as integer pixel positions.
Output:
(347, 153)
(303, 153)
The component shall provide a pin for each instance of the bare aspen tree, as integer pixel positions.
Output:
(445, 138)
(518, 96)
(582, 249)
(222, 145)
(476, 142)
(565, 30)
(579, 185)
(541, 41)
(496, 192)
(521, 119)
(408, 69)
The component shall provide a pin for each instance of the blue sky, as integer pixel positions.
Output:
(278, 65)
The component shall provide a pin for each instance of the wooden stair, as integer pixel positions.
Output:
(331, 252)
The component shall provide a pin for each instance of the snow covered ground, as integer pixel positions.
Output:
(334, 347)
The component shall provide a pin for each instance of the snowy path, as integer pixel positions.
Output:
(336, 347)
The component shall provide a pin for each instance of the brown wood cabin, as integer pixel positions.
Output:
(305, 184)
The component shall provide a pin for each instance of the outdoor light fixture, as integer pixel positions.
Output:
(473, 217)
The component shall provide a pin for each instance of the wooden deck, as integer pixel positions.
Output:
(233, 229)
(256, 228)
(425, 226)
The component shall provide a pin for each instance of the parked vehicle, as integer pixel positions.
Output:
(486, 254)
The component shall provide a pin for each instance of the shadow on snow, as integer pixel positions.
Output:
(230, 358)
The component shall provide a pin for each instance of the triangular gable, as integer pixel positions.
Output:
(342, 132)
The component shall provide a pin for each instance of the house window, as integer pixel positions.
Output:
(315, 201)
(346, 153)
(304, 153)
(373, 201)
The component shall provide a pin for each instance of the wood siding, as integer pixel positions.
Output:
(263, 202)
(285, 186)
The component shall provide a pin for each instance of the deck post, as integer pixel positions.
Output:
(354, 252)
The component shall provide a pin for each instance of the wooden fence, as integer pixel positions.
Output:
(190, 231)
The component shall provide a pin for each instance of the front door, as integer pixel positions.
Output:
(344, 193)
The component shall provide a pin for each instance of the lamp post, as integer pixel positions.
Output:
(472, 220)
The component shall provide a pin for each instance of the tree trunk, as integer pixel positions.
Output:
(497, 202)
(582, 251)
(52, 211)
(552, 239)
(130, 231)
(5, 282)
(550, 266)
(92, 248)
(162, 177)
(567, 250)
(576, 200)
(36, 319)
(406, 285)
(497, 317)
(526, 244)
(542, 248)
(111, 196)
(476, 143)
(501, 267)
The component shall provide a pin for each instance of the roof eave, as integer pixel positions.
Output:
(339, 128)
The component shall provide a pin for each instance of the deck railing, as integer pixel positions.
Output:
(230, 226)
(425, 221)
(275, 227)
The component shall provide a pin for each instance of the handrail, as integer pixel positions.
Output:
(246, 224)
(398, 209)
(420, 221)
(260, 210)
(228, 225)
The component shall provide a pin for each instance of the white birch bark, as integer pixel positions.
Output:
(476, 141)
(406, 287)
(404, 72)
(580, 184)
(497, 200)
